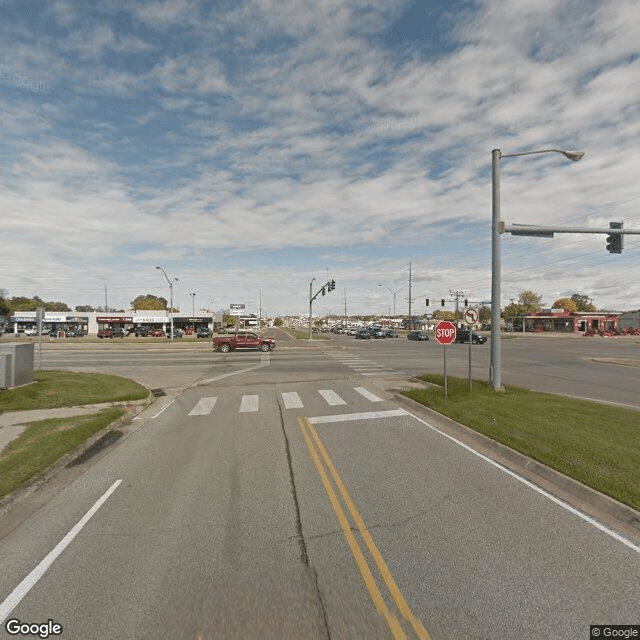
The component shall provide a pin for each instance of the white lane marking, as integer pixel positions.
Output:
(291, 400)
(379, 373)
(537, 489)
(231, 373)
(204, 406)
(348, 417)
(166, 406)
(367, 394)
(331, 397)
(249, 404)
(14, 598)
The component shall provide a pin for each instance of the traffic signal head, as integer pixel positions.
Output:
(333, 285)
(323, 291)
(427, 302)
(614, 240)
(442, 302)
(466, 302)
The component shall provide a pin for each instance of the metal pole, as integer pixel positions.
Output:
(171, 309)
(495, 368)
(444, 346)
(470, 341)
(310, 303)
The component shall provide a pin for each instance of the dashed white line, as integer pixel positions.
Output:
(291, 400)
(249, 404)
(331, 397)
(367, 394)
(204, 406)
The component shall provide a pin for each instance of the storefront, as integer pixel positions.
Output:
(561, 321)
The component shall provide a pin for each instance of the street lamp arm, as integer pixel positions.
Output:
(572, 155)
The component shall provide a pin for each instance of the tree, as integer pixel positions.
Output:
(149, 302)
(4, 303)
(85, 308)
(484, 313)
(565, 303)
(583, 303)
(528, 302)
(278, 322)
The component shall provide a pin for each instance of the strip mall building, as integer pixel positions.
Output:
(91, 322)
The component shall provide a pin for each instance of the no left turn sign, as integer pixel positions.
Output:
(471, 316)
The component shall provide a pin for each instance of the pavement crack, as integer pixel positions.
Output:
(304, 556)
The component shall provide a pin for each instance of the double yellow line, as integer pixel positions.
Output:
(317, 450)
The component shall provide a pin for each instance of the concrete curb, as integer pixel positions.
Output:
(615, 515)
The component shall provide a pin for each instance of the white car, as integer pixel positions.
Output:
(30, 332)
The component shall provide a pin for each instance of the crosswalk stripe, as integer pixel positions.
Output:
(331, 397)
(204, 406)
(367, 394)
(249, 404)
(291, 400)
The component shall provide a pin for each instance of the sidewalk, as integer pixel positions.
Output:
(13, 423)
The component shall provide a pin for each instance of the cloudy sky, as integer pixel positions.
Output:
(248, 146)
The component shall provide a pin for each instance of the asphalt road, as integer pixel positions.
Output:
(289, 495)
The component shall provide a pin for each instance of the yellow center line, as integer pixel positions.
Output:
(398, 598)
(367, 576)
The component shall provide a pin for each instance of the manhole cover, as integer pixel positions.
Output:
(157, 393)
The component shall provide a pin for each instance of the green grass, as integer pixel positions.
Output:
(596, 444)
(65, 389)
(44, 442)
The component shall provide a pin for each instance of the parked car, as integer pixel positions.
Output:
(31, 331)
(418, 335)
(204, 332)
(462, 336)
(157, 333)
(177, 333)
(363, 334)
(141, 331)
(378, 333)
(392, 333)
(105, 333)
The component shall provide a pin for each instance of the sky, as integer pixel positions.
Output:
(255, 148)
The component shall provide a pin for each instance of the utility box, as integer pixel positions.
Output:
(16, 364)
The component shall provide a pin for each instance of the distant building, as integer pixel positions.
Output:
(561, 320)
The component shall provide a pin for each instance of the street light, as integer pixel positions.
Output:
(170, 281)
(193, 311)
(394, 293)
(495, 368)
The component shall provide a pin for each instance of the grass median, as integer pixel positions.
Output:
(52, 389)
(596, 444)
(44, 442)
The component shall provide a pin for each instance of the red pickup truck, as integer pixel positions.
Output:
(246, 340)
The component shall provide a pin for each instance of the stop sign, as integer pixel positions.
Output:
(445, 332)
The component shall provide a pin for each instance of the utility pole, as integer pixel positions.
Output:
(106, 308)
(410, 318)
(457, 295)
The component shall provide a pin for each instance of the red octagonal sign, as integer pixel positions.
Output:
(445, 332)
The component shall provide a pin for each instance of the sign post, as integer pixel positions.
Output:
(445, 334)
(470, 316)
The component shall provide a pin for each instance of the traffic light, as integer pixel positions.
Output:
(333, 285)
(323, 291)
(427, 302)
(466, 302)
(614, 240)
(442, 302)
